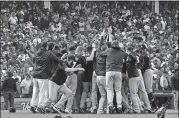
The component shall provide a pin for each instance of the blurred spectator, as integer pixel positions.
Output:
(26, 86)
(9, 88)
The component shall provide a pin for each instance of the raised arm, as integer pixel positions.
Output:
(91, 57)
(64, 56)
(73, 69)
(101, 40)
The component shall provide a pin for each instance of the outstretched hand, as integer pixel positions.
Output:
(64, 55)
(103, 32)
(78, 66)
(81, 69)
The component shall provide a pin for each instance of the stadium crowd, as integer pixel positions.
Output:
(89, 29)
